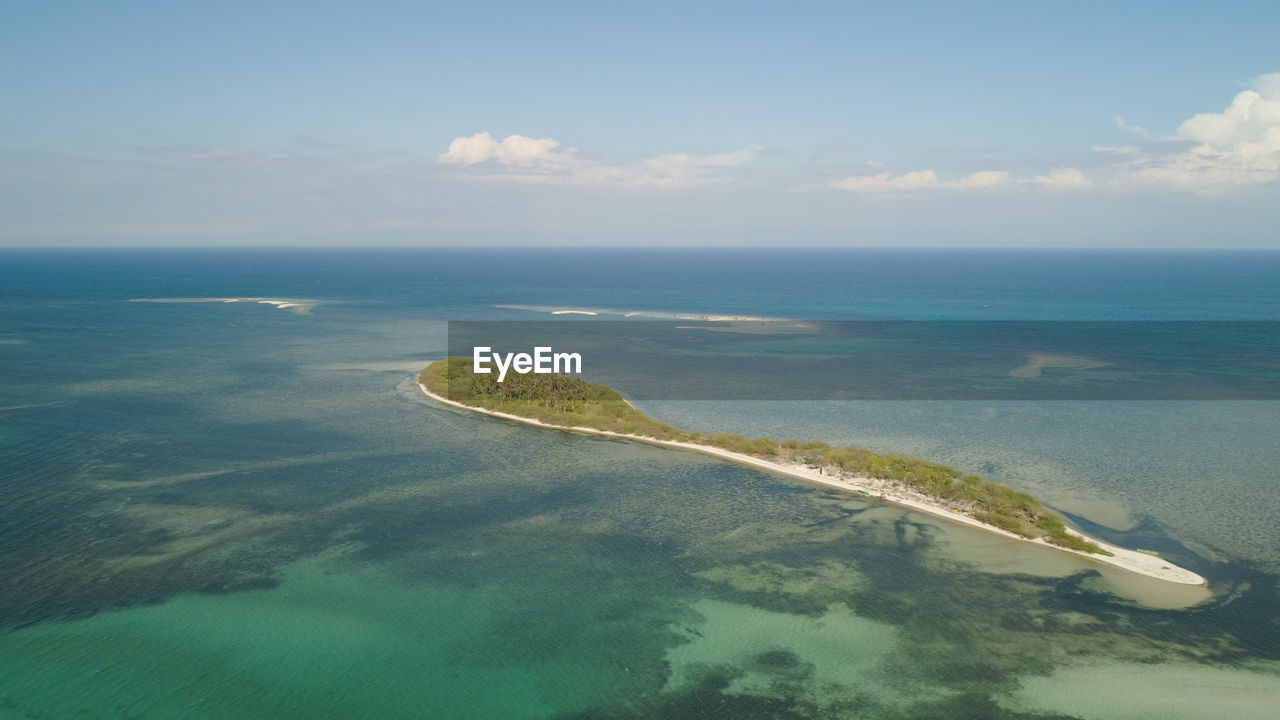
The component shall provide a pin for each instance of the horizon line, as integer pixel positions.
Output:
(487, 246)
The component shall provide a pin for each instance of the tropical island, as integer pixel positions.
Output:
(573, 404)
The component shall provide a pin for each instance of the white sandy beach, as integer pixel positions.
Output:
(1130, 560)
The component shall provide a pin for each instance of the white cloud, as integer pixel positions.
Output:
(1210, 153)
(542, 161)
(1060, 179)
(1064, 179)
(1116, 149)
(1120, 123)
(1250, 118)
(1236, 147)
(884, 182)
(513, 150)
(982, 180)
(471, 150)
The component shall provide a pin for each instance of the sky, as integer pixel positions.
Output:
(994, 124)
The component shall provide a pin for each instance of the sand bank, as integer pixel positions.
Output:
(646, 314)
(1037, 363)
(296, 305)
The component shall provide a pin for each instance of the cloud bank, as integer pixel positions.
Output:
(517, 158)
(1059, 179)
(1237, 147)
(1210, 153)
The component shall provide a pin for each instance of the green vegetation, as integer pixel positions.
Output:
(552, 399)
(570, 402)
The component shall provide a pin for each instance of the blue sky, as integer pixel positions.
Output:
(998, 124)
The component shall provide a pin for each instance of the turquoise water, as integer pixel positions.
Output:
(235, 510)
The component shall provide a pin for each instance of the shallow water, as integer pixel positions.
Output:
(233, 510)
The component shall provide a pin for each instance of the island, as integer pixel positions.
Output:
(572, 404)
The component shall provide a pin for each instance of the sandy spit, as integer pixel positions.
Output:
(1123, 558)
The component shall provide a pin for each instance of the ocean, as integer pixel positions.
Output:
(247, 509)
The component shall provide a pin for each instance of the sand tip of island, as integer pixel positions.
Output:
(1143, 563)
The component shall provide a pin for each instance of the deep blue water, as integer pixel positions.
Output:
(864, 284)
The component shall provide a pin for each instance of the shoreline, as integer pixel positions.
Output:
(1125, 559)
